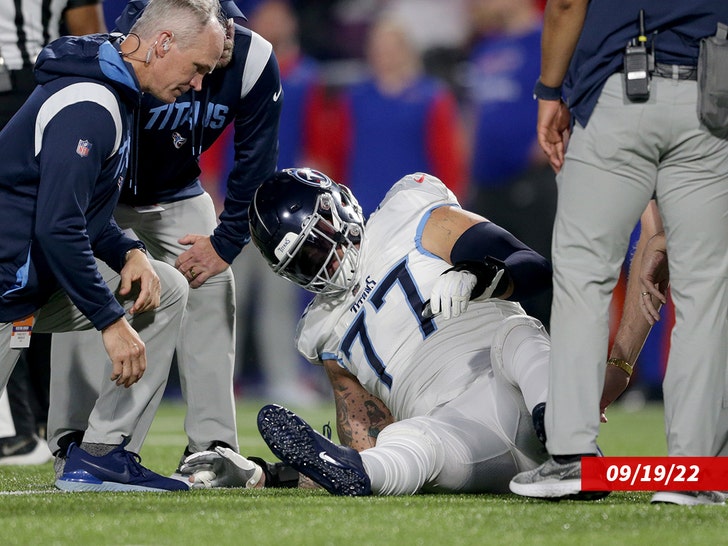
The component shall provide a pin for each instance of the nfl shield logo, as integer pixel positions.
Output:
(83, 147)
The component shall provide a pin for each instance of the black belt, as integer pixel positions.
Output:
(676, 71)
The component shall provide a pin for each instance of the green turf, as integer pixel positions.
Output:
(33, 512)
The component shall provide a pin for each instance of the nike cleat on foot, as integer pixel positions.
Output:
(118, 470)
(338, 469)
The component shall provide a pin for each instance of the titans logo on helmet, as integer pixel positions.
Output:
(311, 177)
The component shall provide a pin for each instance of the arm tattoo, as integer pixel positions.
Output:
(343, 428)
(360, 416)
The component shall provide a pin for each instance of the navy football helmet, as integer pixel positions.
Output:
(309, 229)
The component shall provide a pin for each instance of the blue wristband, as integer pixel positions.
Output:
(544, 92)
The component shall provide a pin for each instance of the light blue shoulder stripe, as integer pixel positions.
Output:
(258, 55)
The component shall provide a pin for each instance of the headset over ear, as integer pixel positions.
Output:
(165, 45)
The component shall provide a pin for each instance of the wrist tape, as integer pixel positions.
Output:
(277, 474)
(484, 271)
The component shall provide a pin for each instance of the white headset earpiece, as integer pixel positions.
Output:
(165, 45)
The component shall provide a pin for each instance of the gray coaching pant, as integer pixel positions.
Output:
(113, 412)
(206, 341)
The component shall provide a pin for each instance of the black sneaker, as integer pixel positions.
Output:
(338, 469)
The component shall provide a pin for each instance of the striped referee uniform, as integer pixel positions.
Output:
(25, 27)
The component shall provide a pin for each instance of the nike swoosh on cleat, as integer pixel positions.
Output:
(277, 94)
(107, 474)
(325, 457)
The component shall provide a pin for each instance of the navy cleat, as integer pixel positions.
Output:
(119, 470)
(338, 469)
(537, 416)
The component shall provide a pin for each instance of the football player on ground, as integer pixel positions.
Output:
(439, 376)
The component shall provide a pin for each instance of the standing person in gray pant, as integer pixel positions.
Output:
(635, 134)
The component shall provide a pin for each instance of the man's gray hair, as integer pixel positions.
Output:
(186, 18)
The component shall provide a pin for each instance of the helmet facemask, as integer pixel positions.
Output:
(324, 257)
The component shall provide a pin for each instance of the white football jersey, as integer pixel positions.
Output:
(377, 332)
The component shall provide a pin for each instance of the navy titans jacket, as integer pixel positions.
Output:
(245, 94)
(63, 160)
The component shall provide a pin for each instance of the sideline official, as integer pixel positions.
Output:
(634, 134)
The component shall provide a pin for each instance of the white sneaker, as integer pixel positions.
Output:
(24, 451)
(688, 498)
(553, 481)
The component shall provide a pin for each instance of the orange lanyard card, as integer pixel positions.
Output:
(22, 329)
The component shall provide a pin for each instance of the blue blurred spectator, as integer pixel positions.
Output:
(397, 120)
(511, 181)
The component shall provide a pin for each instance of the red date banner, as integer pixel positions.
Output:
(654, 474)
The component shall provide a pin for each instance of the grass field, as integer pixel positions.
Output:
(33, 512)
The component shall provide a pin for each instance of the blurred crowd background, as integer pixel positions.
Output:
(374, 90)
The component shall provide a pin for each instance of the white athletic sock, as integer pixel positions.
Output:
(400, 463)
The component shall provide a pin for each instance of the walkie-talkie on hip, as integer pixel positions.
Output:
(637, 66)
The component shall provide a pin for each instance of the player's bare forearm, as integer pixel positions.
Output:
(355, 427)
(630, 337)
(634, 327)
(360, 416)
